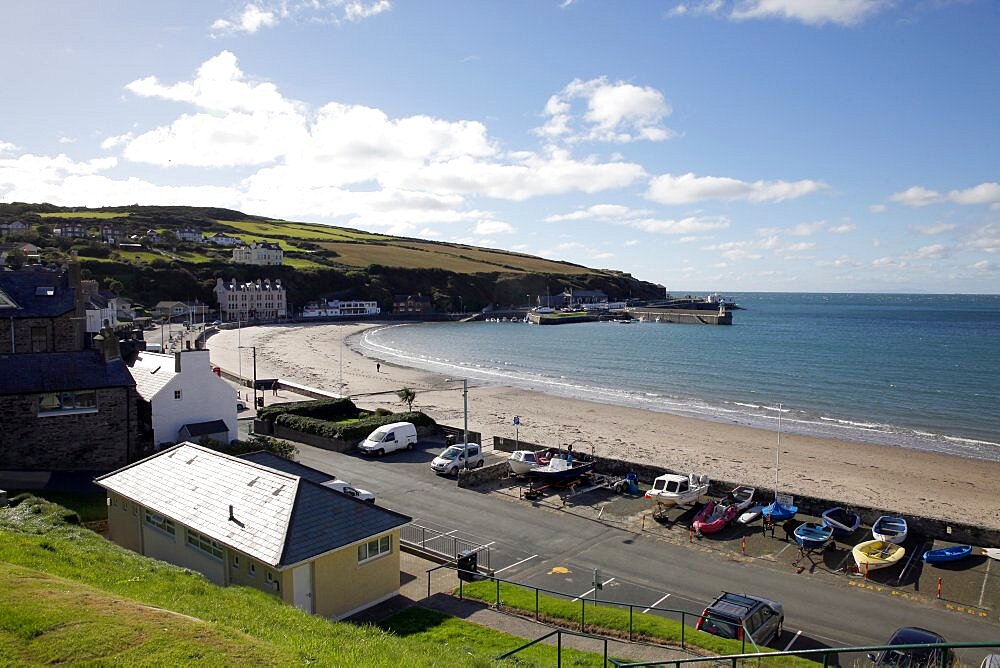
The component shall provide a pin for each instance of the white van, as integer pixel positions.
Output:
(390, 437)
(154, 348)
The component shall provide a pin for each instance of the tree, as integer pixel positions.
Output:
(407, 396)
(16, 259)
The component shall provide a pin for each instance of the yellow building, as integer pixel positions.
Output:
(240, 522)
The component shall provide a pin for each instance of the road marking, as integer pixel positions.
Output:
(487, 544)
(515, 564)
(982, 592)
(450, 532)
(792, 641)
(656, 604)
(782, 550)
(591, 590)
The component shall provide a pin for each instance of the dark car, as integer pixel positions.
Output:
(734, 615)
(913, 658)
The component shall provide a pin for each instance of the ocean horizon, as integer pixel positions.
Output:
(917, 371)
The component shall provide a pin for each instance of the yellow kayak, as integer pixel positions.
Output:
(877, 554)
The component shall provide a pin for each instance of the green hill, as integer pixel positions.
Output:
(321, 261)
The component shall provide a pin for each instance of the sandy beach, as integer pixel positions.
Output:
(904, 480)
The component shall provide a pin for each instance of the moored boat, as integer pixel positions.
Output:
(714, 517)
(874, 554)
(890, 529)
(842, 521)
(946, 554)
(812, 536)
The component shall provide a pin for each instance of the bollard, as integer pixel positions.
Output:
(940, 582)
(643, 522)
(743, 545)
(691, 535)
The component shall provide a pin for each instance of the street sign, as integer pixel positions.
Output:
(597, 579)
(517, 420)
(785, 499)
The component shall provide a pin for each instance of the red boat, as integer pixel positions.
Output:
(714, 517)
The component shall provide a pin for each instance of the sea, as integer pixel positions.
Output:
(908, 370)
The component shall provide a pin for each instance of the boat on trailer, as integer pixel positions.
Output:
(672, 489)
(779, 512)
(842, 521)
(522, 461)
(889, 529)
(813, 536)
(560, 470)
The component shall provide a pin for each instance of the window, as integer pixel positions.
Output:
(204, 543)
(253, 569)
(236, 561)
(39, 340)
(177, 395)
(374, 548)
(160, 522)
(61, 402)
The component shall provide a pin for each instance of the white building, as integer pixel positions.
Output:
(248, 301)
(222, 239)
(100, 313)
(264, 253)
(183, 396)
(189, 234)
(336, 307)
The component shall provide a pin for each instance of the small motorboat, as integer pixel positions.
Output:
(812, 536)
(522, 461)
(560, 470)
(945, 554)
(889, 529)
(843, 522)
(741, 497)
(714, 517)
(671, 489)
(874, 554)
(778, 512)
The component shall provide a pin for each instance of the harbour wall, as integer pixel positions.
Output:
(931, 527)
(681, 316)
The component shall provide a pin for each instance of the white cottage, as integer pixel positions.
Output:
(182, 396)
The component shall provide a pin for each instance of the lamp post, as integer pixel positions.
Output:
(254, 349)
(465, 428)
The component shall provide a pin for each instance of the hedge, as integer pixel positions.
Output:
(323, 409)
(354, 431)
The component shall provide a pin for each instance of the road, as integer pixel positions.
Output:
(529, 543)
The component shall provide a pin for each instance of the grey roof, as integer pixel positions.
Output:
(206, 428)
(279, 518)
(288, 466)
(34, 373)
(22, 287)
(152, 371)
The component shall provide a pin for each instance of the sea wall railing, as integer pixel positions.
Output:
(442, 545)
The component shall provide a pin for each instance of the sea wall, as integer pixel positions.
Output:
(688, 317)
(474, 477)
(931, 527)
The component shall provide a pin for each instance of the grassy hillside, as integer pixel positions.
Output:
(71, 597)
(321, 261)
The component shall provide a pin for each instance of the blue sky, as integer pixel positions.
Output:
(731, 145)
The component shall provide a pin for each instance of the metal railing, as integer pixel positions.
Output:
(558, 633)
(441, 544)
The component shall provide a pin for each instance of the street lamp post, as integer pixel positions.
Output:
(465, 428)
(254, 349)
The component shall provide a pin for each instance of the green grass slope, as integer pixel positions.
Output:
(71, 597)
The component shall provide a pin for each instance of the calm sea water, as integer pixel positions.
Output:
(918, 371)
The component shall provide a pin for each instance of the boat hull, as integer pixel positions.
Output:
(713, 519)
(546, 474)
(875, 554)
(947, 554)
(812, 536)
(842, 522)
(890, 529)
(778, 512)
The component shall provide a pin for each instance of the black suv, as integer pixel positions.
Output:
(914, 658)
(730, 614)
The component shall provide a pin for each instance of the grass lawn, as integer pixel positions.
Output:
(612, 620)
(141, 256)
(91, 507)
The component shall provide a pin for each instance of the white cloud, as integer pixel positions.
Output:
(6, 148)
(117, 140)
(67, 140)
(810, 12)
(631, 242)
(933, 251)
(984, 193)
(931, 230)
(268, 14)
(642, 219)
(883, 262)
(838, 263)
(598, 211)
(983, 265)
(615, 112)
(807, 229)
(878, 208)
(602, 256)
(688, 188)
(984, 238)
(484, 227)
(842, 228)
(797, 247)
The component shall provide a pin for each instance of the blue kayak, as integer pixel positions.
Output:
(946, 554)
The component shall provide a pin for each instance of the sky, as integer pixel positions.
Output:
(715, 145)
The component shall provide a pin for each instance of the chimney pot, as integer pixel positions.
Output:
(177, 362)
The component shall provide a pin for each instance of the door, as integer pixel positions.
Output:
(302, 587)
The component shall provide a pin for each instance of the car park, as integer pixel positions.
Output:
(914, 658)
(454, 459)
(738, 615)
(389, 438)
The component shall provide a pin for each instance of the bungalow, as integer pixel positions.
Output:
(242, 523)
(222, 239)
(181, 397)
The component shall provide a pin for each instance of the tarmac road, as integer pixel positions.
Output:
(558, 551)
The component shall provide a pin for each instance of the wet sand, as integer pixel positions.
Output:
(904, 480)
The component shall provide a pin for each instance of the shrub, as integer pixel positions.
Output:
(256, 442)
(324, 409)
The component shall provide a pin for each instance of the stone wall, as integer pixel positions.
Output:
(810, 505)
(100, 441)
(474, 477)
(62, 334)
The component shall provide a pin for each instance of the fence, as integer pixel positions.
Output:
(443, 545)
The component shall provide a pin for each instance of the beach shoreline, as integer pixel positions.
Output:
(908, 481)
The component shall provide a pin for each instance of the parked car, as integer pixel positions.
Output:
(913, 658)
(240, 404)
(453, 459)
(730, 614)
(345, 488)
(389, 438)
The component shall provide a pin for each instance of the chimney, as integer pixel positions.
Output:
(187, 345)
(107, 343)
(232, 518)
(177, 362)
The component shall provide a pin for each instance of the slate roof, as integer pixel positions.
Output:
(288, 466)
(34, 373)
(206, 428)
(152, 371)
(22, 287)
(280, 518)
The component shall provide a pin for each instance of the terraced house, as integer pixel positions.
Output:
(258, 300)
(240, 522)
